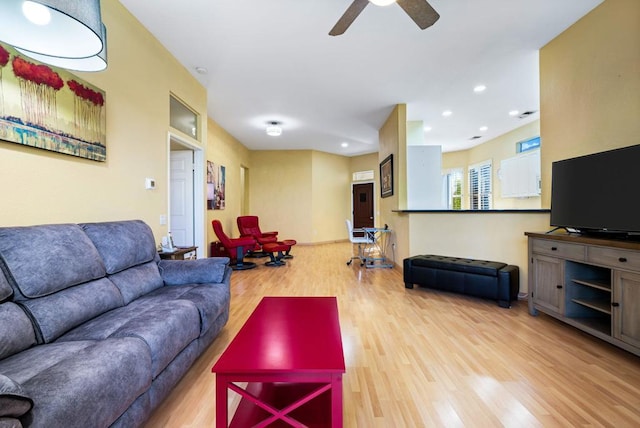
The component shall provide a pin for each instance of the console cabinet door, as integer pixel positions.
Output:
(626, 309)
(548, 283)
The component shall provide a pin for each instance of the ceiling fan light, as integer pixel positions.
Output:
(60, 28)
(382, 2)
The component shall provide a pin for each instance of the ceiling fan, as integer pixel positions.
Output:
(419, 10)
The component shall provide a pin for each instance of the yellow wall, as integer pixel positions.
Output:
(393, 137)
(590, 86)
(331, 198)
(281, 192)
(497, 149)
(43, 187)
(224, 149)
(302, 194)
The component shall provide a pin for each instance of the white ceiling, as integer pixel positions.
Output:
(273, 60)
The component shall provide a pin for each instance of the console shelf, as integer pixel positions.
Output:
(598, 305)
(591, 284)
(600, 285)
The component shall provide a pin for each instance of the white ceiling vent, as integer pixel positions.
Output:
(527, 113)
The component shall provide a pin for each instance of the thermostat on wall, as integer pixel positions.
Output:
(149, 183)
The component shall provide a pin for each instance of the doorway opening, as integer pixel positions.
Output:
(186, 193)
(363, 205)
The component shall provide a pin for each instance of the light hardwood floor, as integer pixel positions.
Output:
(421, 358)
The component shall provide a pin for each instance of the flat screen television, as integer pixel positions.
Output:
(598, 193)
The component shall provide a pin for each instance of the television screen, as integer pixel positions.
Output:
(598, 192)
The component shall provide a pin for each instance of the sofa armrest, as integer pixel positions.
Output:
(14, 402)
(201, 271)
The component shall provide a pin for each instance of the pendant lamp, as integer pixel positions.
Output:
(55, 28)
(93, 63)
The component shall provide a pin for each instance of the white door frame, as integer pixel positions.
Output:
(199, 226)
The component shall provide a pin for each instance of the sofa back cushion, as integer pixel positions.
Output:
(41, 260)
(60, 312)
(137, 281)
(16, 331)
(122, 244)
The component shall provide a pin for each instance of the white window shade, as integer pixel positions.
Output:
(480, 187)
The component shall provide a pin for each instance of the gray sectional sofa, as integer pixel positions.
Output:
(95, 329)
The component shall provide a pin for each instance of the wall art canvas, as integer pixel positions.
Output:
(386, 177)
(215, 186)
(49, 108)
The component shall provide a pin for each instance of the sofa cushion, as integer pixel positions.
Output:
(14, 402)
(40, 260)
(480, 267)
(137, 281)
(16, 331)
(55, 314)
(211, 300)
(166, 326)
(5, 289)
(122, 244)
(83, 383)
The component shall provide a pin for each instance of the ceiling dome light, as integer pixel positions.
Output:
(382, 2)
(484, 128)
(447, 113)
(274, 129)
(344, 145)
(513, 113)
(479, 88)
(60, 28)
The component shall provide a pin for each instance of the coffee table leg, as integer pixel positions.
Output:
(336, 401)
(221, 401)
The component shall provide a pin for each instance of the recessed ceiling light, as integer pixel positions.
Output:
(484, 128)
(479, 88)
(201, 70)
(427, 129)
(447, 113)
(513, 113)
(345, 145)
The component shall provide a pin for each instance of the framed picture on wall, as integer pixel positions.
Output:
(49, 108)
(386, 177)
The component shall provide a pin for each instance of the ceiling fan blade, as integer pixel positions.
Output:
(420, 11)
(349, 16)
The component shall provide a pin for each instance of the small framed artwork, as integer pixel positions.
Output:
(386, 177)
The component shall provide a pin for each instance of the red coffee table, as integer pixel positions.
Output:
(290, 353)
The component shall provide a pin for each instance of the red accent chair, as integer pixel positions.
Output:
(236, 247)
(248, 226)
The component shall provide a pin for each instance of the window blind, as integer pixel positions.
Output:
(480, 197)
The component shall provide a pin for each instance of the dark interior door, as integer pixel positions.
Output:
(362, 205)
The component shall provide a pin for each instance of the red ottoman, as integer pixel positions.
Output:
(290, 243)
(273, 247)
